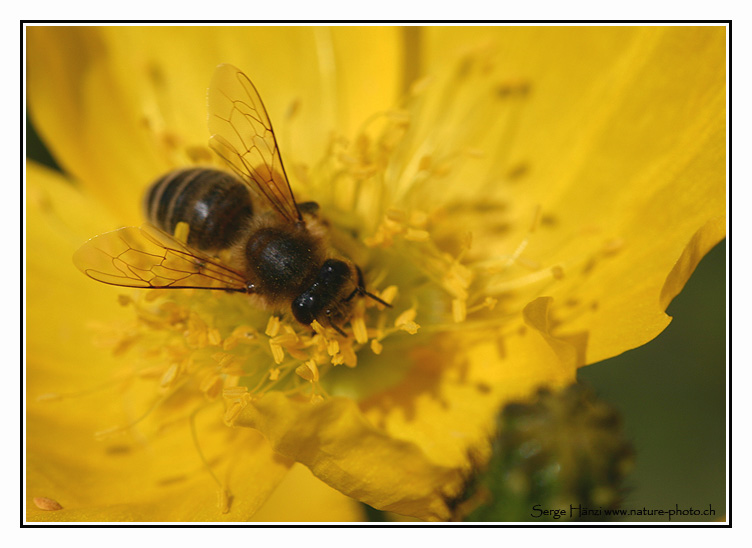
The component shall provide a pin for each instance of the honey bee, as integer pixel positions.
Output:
(246, 232)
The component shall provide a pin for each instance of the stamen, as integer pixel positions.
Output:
(358, 324)
(348, 355)
(277, 353)
(224, 496)
(211, 386)
(332, 347)
(242, 334)
(405, 321)
(232, 413)
(272, 327)
(308, 371)
(169, 376)
(415, 235)
(376, 346)
(388, 295)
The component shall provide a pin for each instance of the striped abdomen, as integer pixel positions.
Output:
(215, 205)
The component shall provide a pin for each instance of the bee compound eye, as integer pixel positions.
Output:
(334, 270)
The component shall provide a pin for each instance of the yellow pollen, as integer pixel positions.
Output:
(397, 216)
(459, 310)
(237, 398)
(197, 334)
(232, 413)
(332, 347)
(349, 357)
(407, 316)
(359, 329)
(455, 282)
(231, 365)
(288, 338)
(213, 336)
(418, 219)
(411, 327)
(232, 381)
(240, 335)
(211, 386)
(272, 327)
(274, 374)
(388, 295)
(169, 376)
(236, 393)
(277, 353)
(308, 371)
(182, 229)
(376, 346)
(44, 503)
(416, 235)
(318, 328)
(405, 321)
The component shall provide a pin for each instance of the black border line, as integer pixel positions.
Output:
(623, 525)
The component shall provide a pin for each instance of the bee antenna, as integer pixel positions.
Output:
(375, 298)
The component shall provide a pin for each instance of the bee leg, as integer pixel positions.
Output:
(361, 290)
(334, 326)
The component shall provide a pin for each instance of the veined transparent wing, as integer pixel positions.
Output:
(146, 257)
(242, 134)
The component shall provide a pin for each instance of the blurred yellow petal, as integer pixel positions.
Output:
(301, 496)
(118, 108)
(621, 144)
(340, 447)
(446, 403)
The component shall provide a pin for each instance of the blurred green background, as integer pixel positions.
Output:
(672, 395)
(671, 392)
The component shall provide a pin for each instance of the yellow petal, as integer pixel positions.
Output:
(301, 496)
(88, 120)
(447, 403)
(703, 241)
(59, 220)
(119, 106)
(622, 140)
(130, 478)
(75, 389)
(341, 448)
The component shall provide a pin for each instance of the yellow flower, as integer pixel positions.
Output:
(529, 205)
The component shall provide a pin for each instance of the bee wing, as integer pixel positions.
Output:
(242, 134)
(146, 257)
